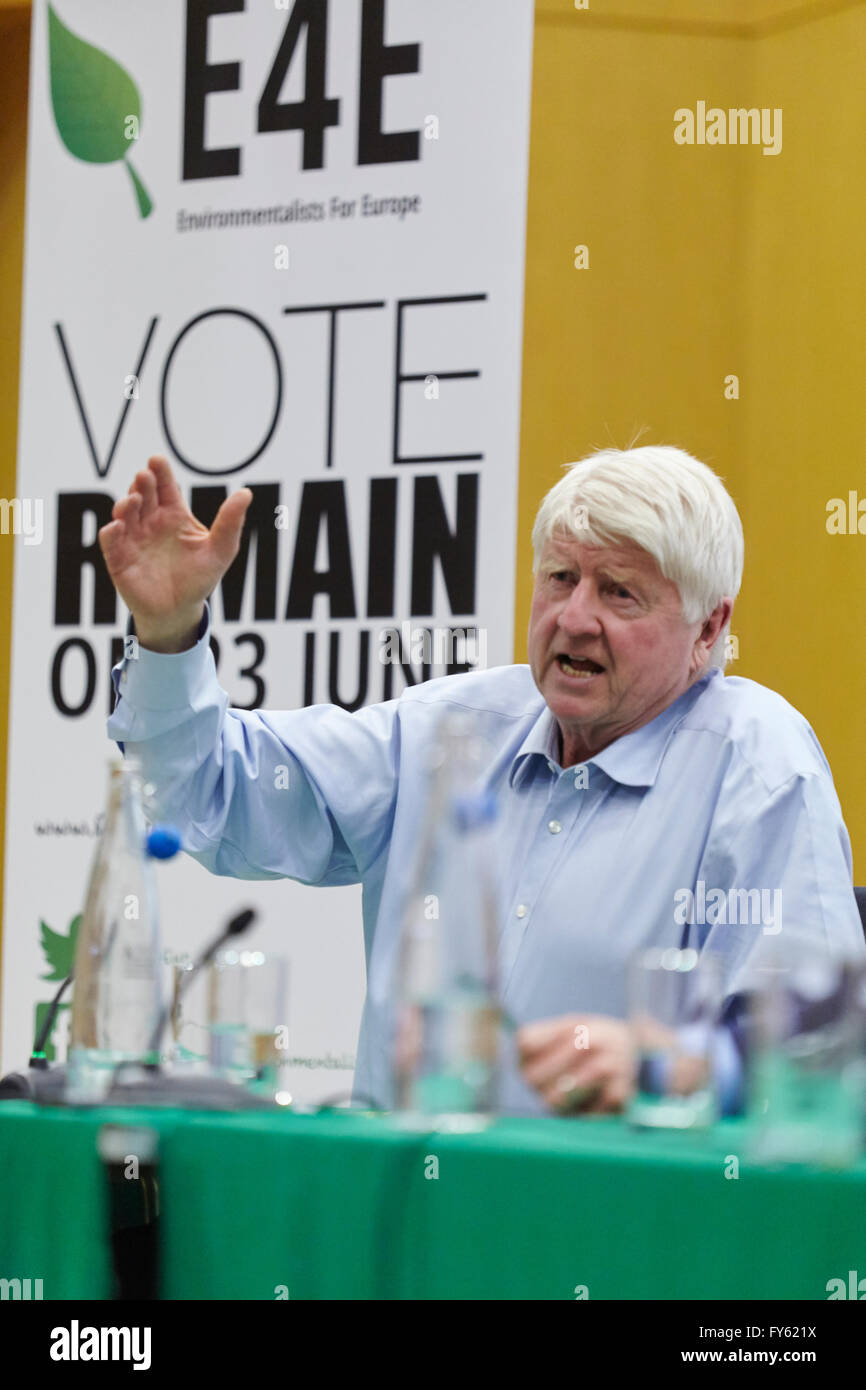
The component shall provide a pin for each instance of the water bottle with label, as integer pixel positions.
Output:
(448, 1015)
(117, 992)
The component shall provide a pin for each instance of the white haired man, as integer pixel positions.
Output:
(631, 774)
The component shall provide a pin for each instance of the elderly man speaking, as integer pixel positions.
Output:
(633, 777)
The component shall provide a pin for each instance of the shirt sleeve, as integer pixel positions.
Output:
(782, 861)
(306, 794)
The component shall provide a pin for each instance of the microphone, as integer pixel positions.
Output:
(18, 1085)
(38, 1060)
(143, 1084)
(236, 927)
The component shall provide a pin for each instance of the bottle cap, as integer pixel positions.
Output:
(163, 841)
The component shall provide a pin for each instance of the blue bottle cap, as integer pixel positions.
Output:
(163, 841)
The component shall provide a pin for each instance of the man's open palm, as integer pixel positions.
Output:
(163, 562)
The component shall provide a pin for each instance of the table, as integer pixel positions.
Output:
(352, 1206)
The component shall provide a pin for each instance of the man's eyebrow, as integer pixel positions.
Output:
(622, 575)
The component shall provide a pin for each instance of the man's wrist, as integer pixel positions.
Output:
(179, 637)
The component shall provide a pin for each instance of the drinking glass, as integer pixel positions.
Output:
(246, 1011)
(674, 1000)
(806, 1074)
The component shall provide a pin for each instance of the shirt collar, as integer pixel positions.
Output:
(634, 760)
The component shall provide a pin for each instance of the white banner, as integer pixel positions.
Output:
(282, 244)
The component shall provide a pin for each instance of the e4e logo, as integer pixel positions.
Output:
(307, 20)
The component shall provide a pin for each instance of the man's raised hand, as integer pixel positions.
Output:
(162, 561)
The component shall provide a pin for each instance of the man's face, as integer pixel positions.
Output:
(612, 611)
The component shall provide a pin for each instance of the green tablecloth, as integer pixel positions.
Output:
(347, 1206)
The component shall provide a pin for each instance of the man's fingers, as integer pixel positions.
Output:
(545, 1067)
(580, 1063)
(144, 484)
(109, 535)
(124, 506)
(228, 523)
(127, 509)
(584, 1085)
(610, 1098)
(567, 1094)
(604, 1081)
(535, 1038)
(167, 491)
(112, 543)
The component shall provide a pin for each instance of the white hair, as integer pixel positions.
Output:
(668, 503)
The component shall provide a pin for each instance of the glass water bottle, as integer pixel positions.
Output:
(117, 990)
(447, 1029)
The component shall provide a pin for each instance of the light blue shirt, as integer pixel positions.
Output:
(716, 825)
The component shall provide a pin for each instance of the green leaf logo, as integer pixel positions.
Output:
(59, 951)
(96, 103)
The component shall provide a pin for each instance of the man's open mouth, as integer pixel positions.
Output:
(578, 666)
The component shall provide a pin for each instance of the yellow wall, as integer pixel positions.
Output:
(706, 261)
(806, 424)
(14, 63)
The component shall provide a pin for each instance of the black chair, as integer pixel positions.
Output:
(860, 895)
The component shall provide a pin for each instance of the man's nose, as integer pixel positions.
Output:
(581, 613)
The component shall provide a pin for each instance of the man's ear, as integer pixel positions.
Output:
(713, 626)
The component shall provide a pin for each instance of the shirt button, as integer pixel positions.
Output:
(554, 827)
(522, 910)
